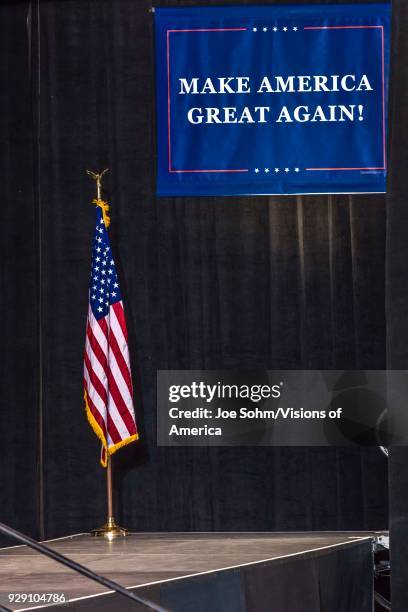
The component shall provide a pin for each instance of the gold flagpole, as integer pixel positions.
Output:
(110, 529)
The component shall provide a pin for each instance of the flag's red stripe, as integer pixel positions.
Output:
(104, 326)
(111, 429)
(113, 432)
(95, 412)
(96, 348)
(119, 382)
(96, 383)
(120, 315)
(123, 367)
(122, 408)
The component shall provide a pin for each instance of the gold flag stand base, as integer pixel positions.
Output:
(110, 530)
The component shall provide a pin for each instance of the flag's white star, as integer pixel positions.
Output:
(98, 250)
(99, 239)
(100, 300)
(103, 272)
(295, 29)
(110, 271)
(266, 170)
(97, 259)
(107, 303)
(104, 262)
(296, 169)
(102, 282)
(115, 285)
(285, 29)
(100, 309)
(276, 169)
(113, 294)
(101, 221)
(101, 290)
(275, 29)
(286, 169)
(94, 297)
(96, 268)
(254, 29)
(257, 170)
(112, 262)
(265, 29)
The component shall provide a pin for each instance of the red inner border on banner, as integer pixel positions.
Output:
(310, 28)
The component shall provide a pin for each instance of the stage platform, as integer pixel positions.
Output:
(202, 572)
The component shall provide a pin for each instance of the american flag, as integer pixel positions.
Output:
(108, 387)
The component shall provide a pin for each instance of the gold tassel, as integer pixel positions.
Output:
(105, 207)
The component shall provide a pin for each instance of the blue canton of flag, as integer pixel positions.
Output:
(104, 286)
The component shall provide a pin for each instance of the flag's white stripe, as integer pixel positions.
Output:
(112, 409)
(113, 366)
(94, 395)
(116, 325)
(122, 344)
(120, 338)
(96, 365)
(98, 333)
(120, 381)
(117, 419)
(116, 331)
(99, 336)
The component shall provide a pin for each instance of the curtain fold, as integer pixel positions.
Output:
(19, 366)
(397, 294)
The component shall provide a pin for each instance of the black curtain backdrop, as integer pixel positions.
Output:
(397, 296)
(277, 282)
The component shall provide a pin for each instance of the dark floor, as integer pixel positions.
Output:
(148, 557)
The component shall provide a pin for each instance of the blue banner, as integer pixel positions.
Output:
(272, 99)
